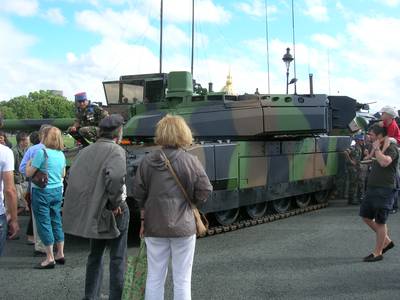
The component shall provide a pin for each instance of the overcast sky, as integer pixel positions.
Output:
(351, 47)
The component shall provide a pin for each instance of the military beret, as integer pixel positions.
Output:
(359, 137)
(80, 97)
(111, 122)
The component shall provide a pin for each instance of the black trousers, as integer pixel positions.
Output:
(94, 266)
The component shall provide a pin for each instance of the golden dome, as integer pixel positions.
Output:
(228, 88)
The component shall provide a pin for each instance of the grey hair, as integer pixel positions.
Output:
(110, 134)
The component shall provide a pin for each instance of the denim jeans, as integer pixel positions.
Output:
(46, 206)
(94, 266)
(3, 232)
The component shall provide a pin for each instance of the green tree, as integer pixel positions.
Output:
(24, 108)
(38, 105)
(7, 112)
(50, 105)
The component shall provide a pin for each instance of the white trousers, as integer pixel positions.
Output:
(159, 251)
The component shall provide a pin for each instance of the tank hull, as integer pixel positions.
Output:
(245, 173)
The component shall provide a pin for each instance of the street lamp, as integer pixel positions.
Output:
(287, 59)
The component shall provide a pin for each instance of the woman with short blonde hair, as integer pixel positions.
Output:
(46, 202)
(172, 131)
(167, 221)
(53, 139)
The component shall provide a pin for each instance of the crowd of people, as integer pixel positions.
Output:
(358, 158)
(94, 204)
(43, 204)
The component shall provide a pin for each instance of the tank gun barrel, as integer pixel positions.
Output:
(364, 106)
(34, 124)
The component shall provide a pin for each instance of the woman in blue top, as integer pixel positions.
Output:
(46, 202)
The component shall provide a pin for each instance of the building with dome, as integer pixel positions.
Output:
(228, 88)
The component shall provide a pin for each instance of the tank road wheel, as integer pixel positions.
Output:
(257, 210)
(322, 196)
(226, 217)
(281, 205)
(302, 201)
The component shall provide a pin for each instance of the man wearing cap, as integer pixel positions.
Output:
(95, 207)
(88, 117)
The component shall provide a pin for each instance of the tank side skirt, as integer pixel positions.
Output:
(223, 199)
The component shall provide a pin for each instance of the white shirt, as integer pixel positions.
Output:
(6, 165)
(124, 194)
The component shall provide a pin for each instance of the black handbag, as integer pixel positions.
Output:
(41, 178)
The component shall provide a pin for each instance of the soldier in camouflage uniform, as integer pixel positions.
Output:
(88, 117)
(364, 167)
(19, 179)
(356, 182)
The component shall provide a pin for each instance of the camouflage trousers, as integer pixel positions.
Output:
(356, 184)
(21, 189)
(340, 185)
(90, 133)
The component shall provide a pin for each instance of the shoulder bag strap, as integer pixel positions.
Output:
(171, 169)
(45, 159)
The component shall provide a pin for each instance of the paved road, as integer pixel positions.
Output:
(312, 256)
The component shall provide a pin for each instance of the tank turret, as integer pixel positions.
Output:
(241, 117)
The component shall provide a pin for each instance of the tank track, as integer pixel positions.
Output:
(265, 219)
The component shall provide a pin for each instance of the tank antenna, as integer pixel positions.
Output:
(329, 72)
(267, 38)
(191, 66)
(294, 48)
(161, 33)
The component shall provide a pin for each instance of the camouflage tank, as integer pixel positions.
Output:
(258, 150)
(278, 151)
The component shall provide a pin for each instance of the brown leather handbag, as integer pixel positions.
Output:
(200, 219)
(41, 178)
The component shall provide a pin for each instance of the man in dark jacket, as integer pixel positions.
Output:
(95, 207)
(380, 192)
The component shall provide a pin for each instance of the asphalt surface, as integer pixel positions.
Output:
(317, 255)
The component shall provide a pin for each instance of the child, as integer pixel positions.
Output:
(388, 121)
(388, 117)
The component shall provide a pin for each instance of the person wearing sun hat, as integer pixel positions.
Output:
(88, 117)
